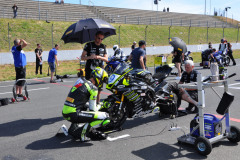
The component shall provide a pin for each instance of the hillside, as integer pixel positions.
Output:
(34, 31)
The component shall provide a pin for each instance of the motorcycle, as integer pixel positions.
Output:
(225, 59)
(134, 94)
(187, 56)
(113, 62)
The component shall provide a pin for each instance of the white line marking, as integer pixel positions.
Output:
(67, 81)
(119, 137)
(7, 86)
(232, 86)
(28, 90)
(26, 79)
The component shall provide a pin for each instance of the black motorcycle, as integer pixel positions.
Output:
(135, 93)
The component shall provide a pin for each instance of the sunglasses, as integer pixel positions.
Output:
(100, 38)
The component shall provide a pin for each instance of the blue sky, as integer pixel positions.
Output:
(182, 6)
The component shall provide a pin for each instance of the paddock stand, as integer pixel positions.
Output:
(206, 129)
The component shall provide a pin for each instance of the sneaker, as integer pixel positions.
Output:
(52, 81)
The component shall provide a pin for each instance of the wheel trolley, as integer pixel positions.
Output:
(25, 93)
(206, 129)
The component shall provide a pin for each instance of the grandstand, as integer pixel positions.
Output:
(29, 9)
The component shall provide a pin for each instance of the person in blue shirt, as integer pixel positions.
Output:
(19, 62)
(51, 60)
(137, 56)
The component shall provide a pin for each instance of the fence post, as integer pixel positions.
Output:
(190, 22)
(181, 22)
(26, 13)
(215, 24)
(52, 35)
(171, 22)
(169, 31)
(9, 37)
(138, 20)
(223, 32)
(161, 21)
(47, 15)
(150, 20)
(3, 12)
(189, 34)
(207, 31)
(238, 34)
(125, 19)
(119, 37)
(65, 16)
(146, 33)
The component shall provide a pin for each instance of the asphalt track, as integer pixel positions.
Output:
(28, 129)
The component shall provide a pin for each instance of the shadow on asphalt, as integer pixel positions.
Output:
(18, 127)
(167, 151)
(56, 142)
(131, 123)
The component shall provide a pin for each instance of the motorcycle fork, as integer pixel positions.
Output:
(120, 106)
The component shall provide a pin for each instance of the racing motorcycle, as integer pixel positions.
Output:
(135, 93)
(113, 62)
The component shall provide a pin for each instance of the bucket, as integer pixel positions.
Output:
(214, 71)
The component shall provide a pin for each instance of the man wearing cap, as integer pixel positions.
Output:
(137, 56)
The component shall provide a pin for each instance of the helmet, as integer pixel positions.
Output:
(100, 76)
(222, 40)
(115, 47)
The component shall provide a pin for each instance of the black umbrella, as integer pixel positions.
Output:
(178, 44)
(85, 30)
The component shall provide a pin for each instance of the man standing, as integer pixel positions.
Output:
(229, 52)
(15, 8)
(51, 61)
(19, 62)
(137, 56)
(222, 45)
(38, 52)
(95, 53)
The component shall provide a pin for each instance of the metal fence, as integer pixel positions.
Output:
(155, 35)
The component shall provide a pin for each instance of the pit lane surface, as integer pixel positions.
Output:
(28, 128)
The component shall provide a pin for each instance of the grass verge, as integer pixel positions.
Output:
(7, 72)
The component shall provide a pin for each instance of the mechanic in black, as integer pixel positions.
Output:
(189, 95)
(205, 57)
(38, 52)
(75, 107)
(95, 53)
(229, 52)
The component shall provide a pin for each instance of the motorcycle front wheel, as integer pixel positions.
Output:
(117, 117)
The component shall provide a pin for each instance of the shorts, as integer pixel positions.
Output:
(52, 66)
(20, 74)
(177, 59)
